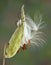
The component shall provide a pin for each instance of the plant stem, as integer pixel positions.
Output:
(4, 55)
(3, 60)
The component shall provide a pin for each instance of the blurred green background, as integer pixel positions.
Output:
(9, 14)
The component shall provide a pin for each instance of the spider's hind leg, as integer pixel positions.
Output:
(24, 47)
(18, 50)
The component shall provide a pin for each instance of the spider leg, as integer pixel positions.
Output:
(28, 43)
(24, 47)
(18, 50)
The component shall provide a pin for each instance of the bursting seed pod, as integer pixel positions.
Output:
(27, 33)
(14, 43)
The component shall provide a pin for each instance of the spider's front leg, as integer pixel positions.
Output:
(27, 43)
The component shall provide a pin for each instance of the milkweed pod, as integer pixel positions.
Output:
(28, 33)
(16, 38)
